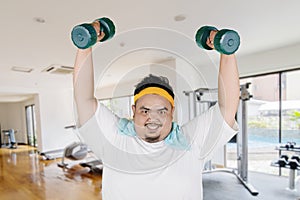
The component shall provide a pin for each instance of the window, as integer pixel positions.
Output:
(31, 125)
(273, 117)
(290, 122)
(120, 105)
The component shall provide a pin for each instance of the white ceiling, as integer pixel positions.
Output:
(262, 25)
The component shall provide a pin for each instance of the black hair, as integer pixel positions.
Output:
(154, 81)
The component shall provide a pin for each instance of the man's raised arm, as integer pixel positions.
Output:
(229, 87)
(83, 83)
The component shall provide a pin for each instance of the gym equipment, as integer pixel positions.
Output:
(0, 136)
(242, 139)
(290, 145)
(226, 41)
(95, 166)
(78, 151)
(296, 157)
(286, 157)
(74, 151)
(85, 35)
(195, 100)
(282, 162)
(292, 164)
(9, 137)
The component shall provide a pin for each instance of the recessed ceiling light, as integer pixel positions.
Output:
(39, 20)
(22, 69)
(179, 18)
(122, 44)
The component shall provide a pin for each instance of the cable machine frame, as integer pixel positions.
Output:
(241, 172)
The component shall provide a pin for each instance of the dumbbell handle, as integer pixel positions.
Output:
(210, 38)
(99, 30)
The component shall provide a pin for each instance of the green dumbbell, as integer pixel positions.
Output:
(226, 41)
(85, 35)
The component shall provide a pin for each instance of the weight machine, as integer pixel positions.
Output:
(198, 104)
(78, 153)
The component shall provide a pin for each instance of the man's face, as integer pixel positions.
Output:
(153, 115)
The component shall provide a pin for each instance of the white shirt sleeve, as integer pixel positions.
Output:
(209, 131)
(99, 129)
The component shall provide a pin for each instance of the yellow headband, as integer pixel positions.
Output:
(154, 90)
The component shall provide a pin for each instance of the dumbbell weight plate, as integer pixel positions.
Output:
(84, 36)
(108, 27)
(296, 157)
(282, 162)
(202, 35)
(227, 41)
(294, 164)
(286, 157)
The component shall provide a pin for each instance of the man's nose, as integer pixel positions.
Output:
(153, 114)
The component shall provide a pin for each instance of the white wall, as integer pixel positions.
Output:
(56, 111)
(270, 60)
(12, 117)
(53, 100)
(292, 81)
(124, 86)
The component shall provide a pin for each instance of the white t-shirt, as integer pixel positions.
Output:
(171, 169)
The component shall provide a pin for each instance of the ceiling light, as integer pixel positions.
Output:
(122, 44)
(179, 18)
(22, 69)
(39, 20)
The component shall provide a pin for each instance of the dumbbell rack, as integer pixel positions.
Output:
(292, 172)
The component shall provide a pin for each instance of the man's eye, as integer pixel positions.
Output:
(162, 112)
(145, 111)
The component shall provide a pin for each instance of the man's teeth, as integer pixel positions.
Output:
(153, 126)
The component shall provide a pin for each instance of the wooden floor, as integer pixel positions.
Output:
(25, 175)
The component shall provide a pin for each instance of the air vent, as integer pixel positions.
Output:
(58, 69)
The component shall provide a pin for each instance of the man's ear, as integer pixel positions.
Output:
(133, 109)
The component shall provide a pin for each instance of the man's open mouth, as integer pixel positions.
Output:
(153, 126)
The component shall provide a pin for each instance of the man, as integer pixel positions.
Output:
(151, 157)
